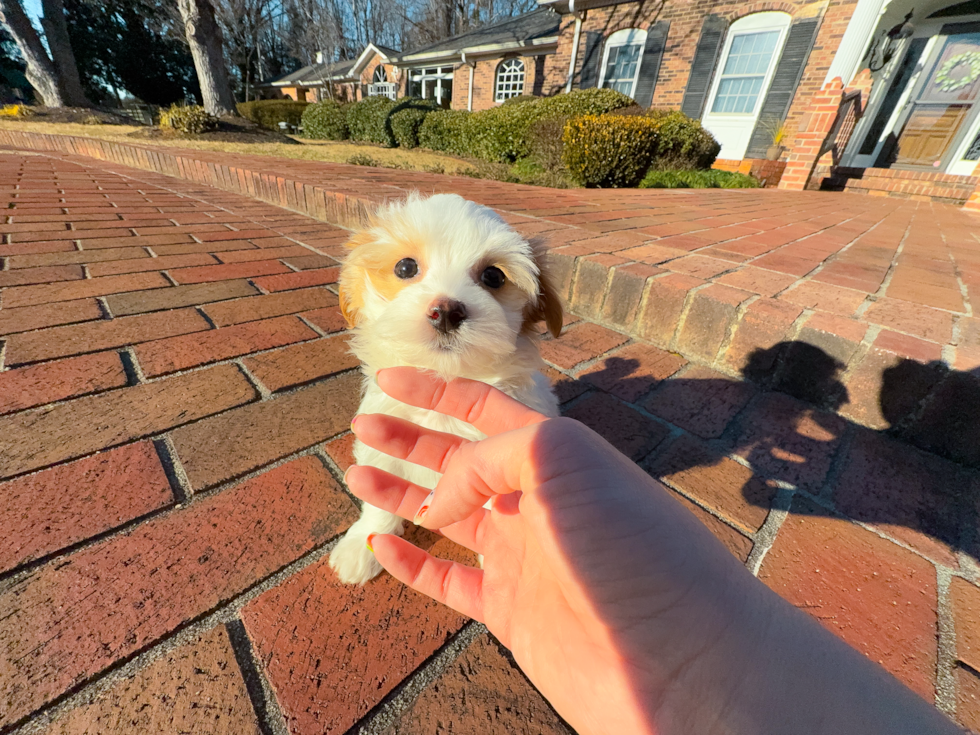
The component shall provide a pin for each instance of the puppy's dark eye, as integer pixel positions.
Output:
(406, 268)
(493, 277)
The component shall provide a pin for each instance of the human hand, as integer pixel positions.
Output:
(588, 562)
(625, 612)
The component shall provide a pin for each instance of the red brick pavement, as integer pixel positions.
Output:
(172, 446)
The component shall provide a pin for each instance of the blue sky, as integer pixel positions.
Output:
(33, 8)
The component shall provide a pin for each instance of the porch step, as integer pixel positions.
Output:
(921, 185)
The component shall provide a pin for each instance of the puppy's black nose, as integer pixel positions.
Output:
(446, 315)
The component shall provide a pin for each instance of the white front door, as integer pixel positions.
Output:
(742, 78)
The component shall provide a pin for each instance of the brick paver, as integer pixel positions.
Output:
(175, 398)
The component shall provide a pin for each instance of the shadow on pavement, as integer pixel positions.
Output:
(915, 478)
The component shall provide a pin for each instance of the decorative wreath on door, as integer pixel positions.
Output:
(948, 83)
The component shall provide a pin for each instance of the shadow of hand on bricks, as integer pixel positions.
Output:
(741, 445)
(874, 477)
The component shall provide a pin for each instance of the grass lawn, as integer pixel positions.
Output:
(310, 150)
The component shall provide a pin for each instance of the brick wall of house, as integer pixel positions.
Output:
(367, 74)
(686, 19)
(484, 81)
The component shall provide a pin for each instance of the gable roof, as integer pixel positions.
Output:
(314, 74)
(386, 54)
(537, 28)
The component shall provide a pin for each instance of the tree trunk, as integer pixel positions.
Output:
(41, 72)
(204, 38)
(56, 31)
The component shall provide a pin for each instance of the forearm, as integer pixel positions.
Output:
(795, 677)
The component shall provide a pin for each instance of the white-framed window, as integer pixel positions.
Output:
(745, 71)
(380, 75)
(510, 80)
(433, 83)
(621, 60)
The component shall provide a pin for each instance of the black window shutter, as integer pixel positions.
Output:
(789, 71)
(589, 76)
(653, 53)
(703, 66)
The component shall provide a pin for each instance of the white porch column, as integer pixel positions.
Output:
(856, 40)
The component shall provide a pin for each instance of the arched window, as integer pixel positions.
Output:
(621, 60)
(379, 74)
(510, 80)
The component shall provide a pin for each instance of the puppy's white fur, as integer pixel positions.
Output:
(453, 240)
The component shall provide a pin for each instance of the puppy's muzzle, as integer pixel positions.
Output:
(445, 315)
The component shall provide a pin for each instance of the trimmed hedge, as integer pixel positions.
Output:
(269, 113)
(709, 179)
(406, 123)
(445, 130)
(325, 120)
(609, 150)
(504, 133)
(366, 121)
(683, 142)
(188, 119)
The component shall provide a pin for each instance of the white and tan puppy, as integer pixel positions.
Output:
(446, 285)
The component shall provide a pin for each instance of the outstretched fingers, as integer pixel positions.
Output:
(479, 404)
(456, 585)
(403, 498)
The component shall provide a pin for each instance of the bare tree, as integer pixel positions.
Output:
(204, 38)
(56, 32)
(56, 81)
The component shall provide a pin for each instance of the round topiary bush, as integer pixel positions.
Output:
(407, 118)
(504, 133)
(445, 130)
(683, 143)
(366, 120)
(325, 121)
(609, 150)
(188, 119)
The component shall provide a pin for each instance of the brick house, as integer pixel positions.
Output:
(877, 96)
(346, 81)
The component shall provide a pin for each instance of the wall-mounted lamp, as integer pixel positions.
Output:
(883, 49)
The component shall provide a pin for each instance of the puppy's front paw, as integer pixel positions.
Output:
(352, 560)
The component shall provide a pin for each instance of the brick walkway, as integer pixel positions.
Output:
(175, 396)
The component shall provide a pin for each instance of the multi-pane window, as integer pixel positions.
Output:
(510, 80)
(621, 68)
(621, 62)
(745, 72)
(432, 84)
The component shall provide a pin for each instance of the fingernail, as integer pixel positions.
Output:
(420, 515)
(347, 472)
(369, 544)
(352, 422)
(376, 380)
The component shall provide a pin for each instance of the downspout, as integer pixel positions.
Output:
(469, 93)
(578, 35)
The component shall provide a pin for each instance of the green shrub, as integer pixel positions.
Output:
(366, 120)
(504, 133)
(188, 119)
(609, 150)
(405, 123)
(708, 179)
(445, 130)
(682, 143)
(546, 143)
(362, 159)
(325, 121)
(521, 98)
(269, 113)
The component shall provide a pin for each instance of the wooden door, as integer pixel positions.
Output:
(945, 101)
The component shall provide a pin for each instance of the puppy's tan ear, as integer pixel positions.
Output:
(352, 275)
(548, 307)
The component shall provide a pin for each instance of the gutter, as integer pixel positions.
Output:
(469, 91)
(577, 14)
